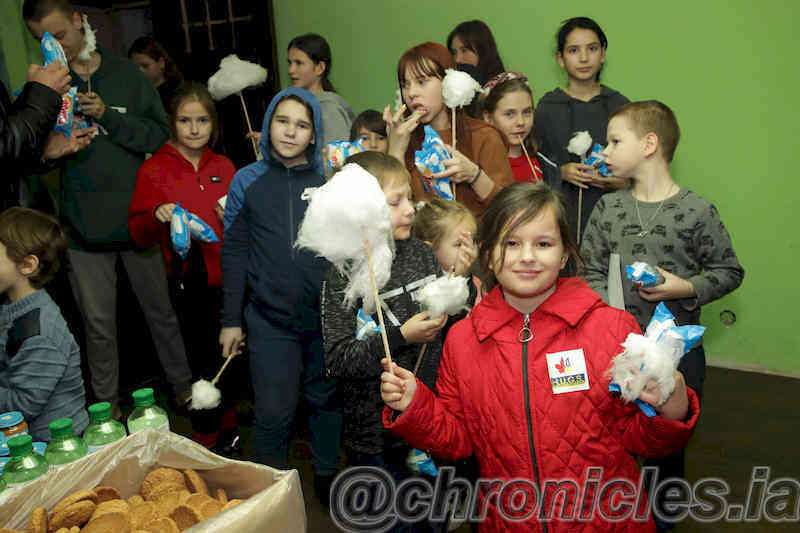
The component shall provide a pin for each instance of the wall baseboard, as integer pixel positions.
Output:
(733, 365)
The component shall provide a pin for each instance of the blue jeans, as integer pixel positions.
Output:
(281, 362)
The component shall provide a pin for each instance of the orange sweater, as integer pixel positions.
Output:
(489, 151)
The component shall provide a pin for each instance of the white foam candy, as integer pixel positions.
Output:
(447, 294)
(234, 75)
(458, 88)
(205, 395)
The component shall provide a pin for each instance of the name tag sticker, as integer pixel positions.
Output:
(567, 371)
(118, 108)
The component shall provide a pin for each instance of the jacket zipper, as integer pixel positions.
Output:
(524, 336)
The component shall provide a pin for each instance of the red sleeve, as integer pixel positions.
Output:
(645, 436)
(435, 424)
(144, 227)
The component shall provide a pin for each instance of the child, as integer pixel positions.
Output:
(508, 106)
(356, 362)
(472, 43)
(479, 167)
(40, 363)
(277, 287)
(372, 128)
(186, 171)
(448, 228)
(661, 223)
(310, 65)
(157, 66)
(496, 394)
(584, 105)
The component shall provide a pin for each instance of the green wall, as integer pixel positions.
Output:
(728, 69)
(19, 46)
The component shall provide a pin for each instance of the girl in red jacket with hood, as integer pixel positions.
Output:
(186, 171)
(522, 384)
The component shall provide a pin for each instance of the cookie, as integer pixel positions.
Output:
(222, 496)
(185, 517)
(159, 476)
(194, 482)
(106, 493)
(6, 530)
(143, 514)
(112, 506)
(135, 500)
(72, 498)
(195, 500)
(168, 502)
(163, 488)
(108, 523)
(37, 523)
(232, 503)
(163, 525)
(75, 514)
(210, 508)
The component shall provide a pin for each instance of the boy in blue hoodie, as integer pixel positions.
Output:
(274, 289)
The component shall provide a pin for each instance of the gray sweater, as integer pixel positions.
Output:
(686, 237)
(337, 117)
(40, 366)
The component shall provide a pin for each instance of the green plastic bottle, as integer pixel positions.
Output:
(146, 413)
(64, 447)
(24, 465)
(102, 429)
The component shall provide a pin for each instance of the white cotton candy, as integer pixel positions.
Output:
(89, 41)
(204, 395)
(447, 294)
(458, 88)
(340, 213)
(643, 359)
(580, 143)
(234, 75)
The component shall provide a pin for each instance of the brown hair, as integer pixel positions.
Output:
(317, 48)
(514, 206)
(27, 232)
(384, 167)
(152, 49)
(498, 92)
(370, 120)
(36, 10)
(652, 116)
(436, 216)
(432, 59)
(193, 91)
(477, 36)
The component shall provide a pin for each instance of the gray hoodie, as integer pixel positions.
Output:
(337, 117)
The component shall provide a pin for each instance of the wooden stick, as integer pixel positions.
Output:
(225, 364)
(249, 127)
(530, 164)
(208, 24)
(580, 209)
(453, 129)
(419, 357)
(377, 301)
(185, 19)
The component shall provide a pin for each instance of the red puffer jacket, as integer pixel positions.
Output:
(168, 177)
(497, 400)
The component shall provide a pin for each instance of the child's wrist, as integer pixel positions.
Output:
(477, 176)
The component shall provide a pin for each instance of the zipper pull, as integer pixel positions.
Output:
(525, 334)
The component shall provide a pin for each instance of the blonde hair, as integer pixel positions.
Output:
(436, 217)
(385, 168)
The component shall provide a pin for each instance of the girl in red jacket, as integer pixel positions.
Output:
(522, 384)
(186, 171)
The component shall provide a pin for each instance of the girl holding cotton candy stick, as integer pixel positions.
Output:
(479, 166)
(186, 171)
(584, 105)
(522, 381)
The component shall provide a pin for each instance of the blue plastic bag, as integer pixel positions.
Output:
(52, 51)
(179, 231)
(419, 461)
(643, 275)
(199, 230)
(337, 152)
(429, 161)
(597, 160)
(365, 325)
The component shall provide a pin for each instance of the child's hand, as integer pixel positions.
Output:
(398, 386)
(232, 340)
(92, 105)
(579, 174)
(398, 130)
(673, 288)
(676, 406)
(421, 328)
(164, 212)
(459, 167)
(57, 145)
(467, 253)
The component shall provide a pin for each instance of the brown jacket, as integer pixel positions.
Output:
(489, 151)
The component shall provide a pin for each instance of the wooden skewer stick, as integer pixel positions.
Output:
(528, 157)
(225, 364)
(419, 357)
(453, 129)
(249, 127)
(377, 301)
(580, 210)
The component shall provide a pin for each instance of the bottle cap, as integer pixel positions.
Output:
(100, 411)
(10, 419)
(143, 397)
(20, 445)
(61, 428)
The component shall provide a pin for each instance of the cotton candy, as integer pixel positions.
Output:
(205, 395)
(339, 215)
(89, 41)
(458, 88)
(580, 143)
(447, 294)
(233, 76)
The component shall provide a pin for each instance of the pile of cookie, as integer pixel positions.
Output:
(169, 501)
